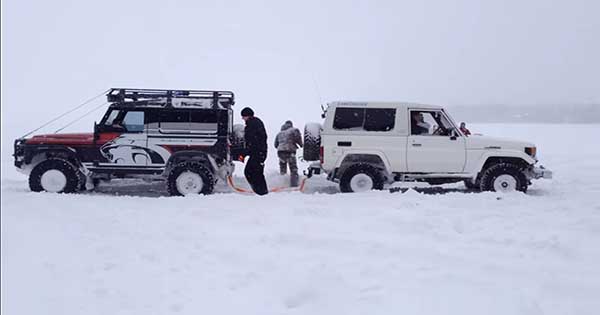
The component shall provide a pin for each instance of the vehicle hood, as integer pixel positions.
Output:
(71, 138)
(478, 142)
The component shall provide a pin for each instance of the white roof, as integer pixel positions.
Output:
(384, 104)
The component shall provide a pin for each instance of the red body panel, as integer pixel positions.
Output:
(73, 139)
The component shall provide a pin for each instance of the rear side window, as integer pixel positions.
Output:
(380, 119)
(204, 121)
(367, 119)
(349, 118)
(175, 121)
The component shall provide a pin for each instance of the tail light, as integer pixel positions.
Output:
(321, 154)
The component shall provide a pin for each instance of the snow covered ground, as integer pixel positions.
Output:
(130, 250)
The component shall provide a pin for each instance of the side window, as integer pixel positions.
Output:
(349, 118)
(429, 123)
(134, 121)
(380, 119)
(111, 117)
(203, 121)
(173, 121)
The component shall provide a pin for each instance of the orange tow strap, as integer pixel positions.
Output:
(276, 189)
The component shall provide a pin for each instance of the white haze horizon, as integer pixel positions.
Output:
(284, 60)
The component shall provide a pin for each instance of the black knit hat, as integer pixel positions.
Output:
(247, 112)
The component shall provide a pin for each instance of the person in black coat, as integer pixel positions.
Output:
(255, 137)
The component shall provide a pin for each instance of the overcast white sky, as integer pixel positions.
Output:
(57, 53)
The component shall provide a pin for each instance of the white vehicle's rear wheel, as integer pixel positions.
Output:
(361, 177)
(361, 182)
(504, 177)
(54, 175)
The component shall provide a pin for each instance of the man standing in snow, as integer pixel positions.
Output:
(288, 140)
(256, 147)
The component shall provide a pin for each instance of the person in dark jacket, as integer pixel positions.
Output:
(288, 140)
(255, 137)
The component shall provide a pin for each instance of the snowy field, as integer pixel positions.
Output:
(131, 250)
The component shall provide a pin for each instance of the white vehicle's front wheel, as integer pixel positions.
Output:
(504, 177)
(361, 177)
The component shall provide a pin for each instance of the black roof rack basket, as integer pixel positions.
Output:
(122, 95)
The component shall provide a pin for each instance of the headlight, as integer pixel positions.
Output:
(531, 151)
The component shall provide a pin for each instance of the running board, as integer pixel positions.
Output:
(404, 177)
(128, 170)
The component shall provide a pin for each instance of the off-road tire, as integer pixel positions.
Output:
(469, 184)
(369, 170)
(203, 171)
(63, 166)
(491, 173)
(312, 142)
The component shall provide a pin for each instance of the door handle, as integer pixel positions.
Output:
(344, 144)
(416, 144)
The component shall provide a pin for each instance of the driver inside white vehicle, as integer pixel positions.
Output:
(421, 123)
(418, 124)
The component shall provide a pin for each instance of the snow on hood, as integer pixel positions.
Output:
(476, 142)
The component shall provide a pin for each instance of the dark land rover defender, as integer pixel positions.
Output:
(184, 137)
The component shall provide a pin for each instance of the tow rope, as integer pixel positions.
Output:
(68, 112)
(272, 190)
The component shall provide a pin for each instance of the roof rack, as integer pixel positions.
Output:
(214, 99)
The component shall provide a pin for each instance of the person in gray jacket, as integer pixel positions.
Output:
(288, 140)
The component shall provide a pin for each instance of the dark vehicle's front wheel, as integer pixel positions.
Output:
(361, 177)
(190, 178)
(54, 175)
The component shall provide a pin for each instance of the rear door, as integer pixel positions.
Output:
(433, 144)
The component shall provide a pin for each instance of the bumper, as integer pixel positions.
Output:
(537, 172)
(313, 168)
(19, 152)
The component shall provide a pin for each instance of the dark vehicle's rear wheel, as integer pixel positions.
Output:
(312, 142)
(190, 178)
(503, 177)
(54, 175)
(361, 177)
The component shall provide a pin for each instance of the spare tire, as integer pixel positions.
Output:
(312, 142)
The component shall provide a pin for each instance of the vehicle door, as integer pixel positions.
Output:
(123, 139)
(434, 145)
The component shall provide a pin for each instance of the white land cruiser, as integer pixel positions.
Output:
(365, 145)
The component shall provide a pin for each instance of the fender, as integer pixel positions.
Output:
(31, 152)
(347, 156)
(182, 156)
(476, 165)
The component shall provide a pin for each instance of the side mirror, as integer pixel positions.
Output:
(96, 133)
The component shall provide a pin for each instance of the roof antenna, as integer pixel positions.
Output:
(318, 94)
